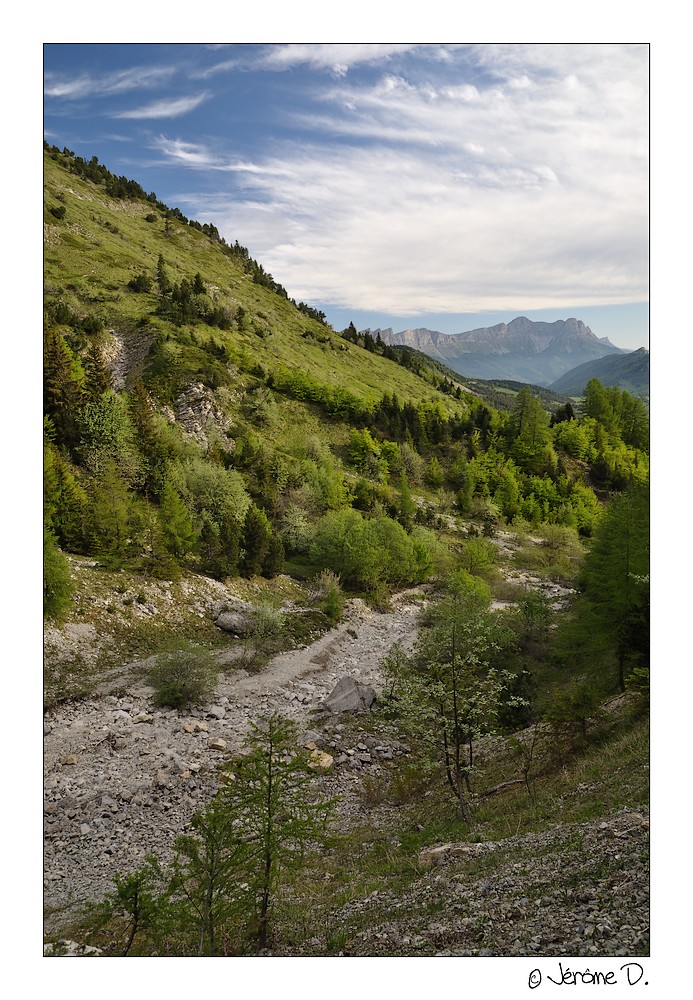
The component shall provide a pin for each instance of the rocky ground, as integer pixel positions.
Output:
(579, 889)
(123, 777)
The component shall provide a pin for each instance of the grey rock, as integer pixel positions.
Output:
(235, 618)
(308, 736)
(350, 696)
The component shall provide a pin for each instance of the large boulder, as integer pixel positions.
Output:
(350, 696)
(235, 617)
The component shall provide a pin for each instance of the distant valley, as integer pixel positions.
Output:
(522, 350)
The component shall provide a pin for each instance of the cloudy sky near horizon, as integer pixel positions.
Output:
(448, 186)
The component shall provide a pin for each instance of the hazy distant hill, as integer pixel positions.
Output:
(630, 372)
(522, 350)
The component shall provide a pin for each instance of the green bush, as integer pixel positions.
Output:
(329, 595)
(265, 635)
(140, 283)
(365, 551)
(186, 675)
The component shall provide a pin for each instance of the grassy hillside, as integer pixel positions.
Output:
(102, 242)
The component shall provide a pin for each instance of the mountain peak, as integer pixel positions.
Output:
(523, 350)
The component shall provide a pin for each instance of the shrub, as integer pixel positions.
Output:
(478, 554)
(58, 212)
(265, 635)
(186, 675)
(140, 283)
(328, 595)
(365, 552)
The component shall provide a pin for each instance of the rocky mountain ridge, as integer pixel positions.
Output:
(523, 349)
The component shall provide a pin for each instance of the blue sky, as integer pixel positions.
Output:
(440, 185)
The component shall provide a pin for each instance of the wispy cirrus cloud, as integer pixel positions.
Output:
(166, 108)
(189, 154)
(201, 157)
(86, 85)
(335, 58)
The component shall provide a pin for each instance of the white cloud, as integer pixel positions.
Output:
(166, 108)
(84, 85)
(335, 57)
(518, 175)
(188, 154)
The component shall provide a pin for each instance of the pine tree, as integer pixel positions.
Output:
(110, 514)
(65, 501)
(529, 431)
(257, 534)
(273, 563)
(57, 584)
(162, 277)
(207, 898)
(615, 581)
(97, 378)
(148, 438)
(176, 522)
(61, 392)
(275, 812)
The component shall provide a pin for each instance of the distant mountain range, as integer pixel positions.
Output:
(522, 350)
(630, 372)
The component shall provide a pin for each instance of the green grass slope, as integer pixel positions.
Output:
(102, 242)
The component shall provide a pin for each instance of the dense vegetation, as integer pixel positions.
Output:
(333, 457)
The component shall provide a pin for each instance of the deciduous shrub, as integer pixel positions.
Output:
(186, 675)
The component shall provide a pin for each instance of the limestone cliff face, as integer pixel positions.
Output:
(523, 350)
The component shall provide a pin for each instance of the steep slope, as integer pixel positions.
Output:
(522, 350)
(100, 243)
(630, 372)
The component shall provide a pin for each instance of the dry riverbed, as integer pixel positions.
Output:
(123, 777)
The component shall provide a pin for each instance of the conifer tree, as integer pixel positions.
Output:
(97, 377)
(57, 585)
(61, 392)
(176, 522)
(614, 607)
(257, 534)
(65, 501)
(162, 277)
(110, 513)
(275, 812)
(273, 563)
(207, 893)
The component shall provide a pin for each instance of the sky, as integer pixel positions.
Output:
(442, 185)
